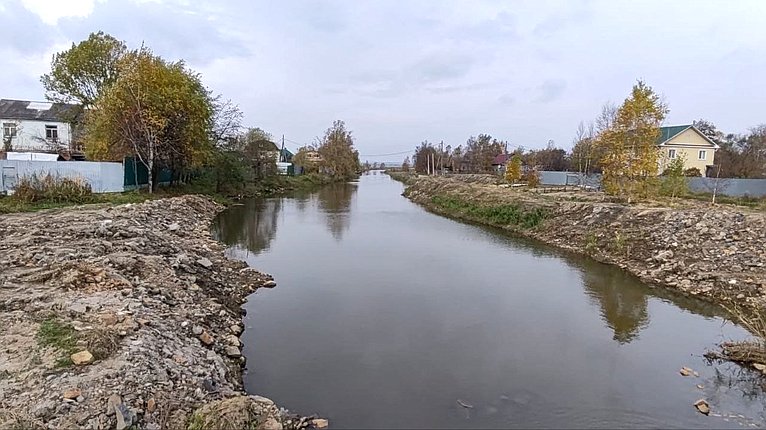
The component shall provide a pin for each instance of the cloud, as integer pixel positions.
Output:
(23, 30)
(550, 90)
(174, 30)
(506, 99)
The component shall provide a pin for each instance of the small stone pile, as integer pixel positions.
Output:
(120, 317)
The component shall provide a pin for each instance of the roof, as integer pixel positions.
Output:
(286, 152)
(501, 159)
(669, 132)
(38, 111)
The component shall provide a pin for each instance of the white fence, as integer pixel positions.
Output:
(102, 177)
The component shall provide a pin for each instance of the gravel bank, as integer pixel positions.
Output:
(125, 316)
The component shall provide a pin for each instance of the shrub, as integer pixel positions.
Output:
(32, 189)
(532, 178)
(692, 172)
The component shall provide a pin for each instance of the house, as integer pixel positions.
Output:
(687, 142)
(499, 162)
(45, 127)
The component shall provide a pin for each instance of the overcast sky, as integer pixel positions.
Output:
(399, 72)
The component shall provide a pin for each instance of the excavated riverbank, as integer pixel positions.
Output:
(714, 253)
(125, 316)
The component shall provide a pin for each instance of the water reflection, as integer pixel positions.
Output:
(252, 225)
(624, 310)
(335, 203)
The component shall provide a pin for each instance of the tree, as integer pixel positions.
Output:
(158, 111)
(82, 73)
(585, 155)
(550, 158)
(481, 151)
(339, 158)
(513, 169)
(227, 120)
(674, 182)
(259, 152)
(630, 157)
(406, 164)
(306, 158)
(423, 156)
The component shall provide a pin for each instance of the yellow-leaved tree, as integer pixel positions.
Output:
(513, 169)
(157, 111)
(630, 157)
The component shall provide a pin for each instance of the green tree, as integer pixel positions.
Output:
(259, 152)
(513, 169)
(81, 73)
(674, 182)
(158, 111)
(339, 158)
(630, 156)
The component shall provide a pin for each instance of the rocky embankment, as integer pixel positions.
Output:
(714, 253)
(125, 317)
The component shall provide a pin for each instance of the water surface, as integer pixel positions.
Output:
(386, 315)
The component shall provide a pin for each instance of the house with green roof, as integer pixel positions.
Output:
(688, 143)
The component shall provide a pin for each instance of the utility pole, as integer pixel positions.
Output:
(441, 151)
(282, 151)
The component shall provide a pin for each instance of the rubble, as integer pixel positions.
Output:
(142, 293)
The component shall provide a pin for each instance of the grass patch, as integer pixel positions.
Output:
(507, 214)
(751, 202)
(59, 335)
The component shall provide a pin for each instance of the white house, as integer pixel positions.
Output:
(37, 126)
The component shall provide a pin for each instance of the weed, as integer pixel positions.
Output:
(591, 243)
(499, 214)
(57, 334)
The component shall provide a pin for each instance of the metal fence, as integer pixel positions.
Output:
(732, 187)
(102, 177)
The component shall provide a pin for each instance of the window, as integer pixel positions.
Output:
(9, 129)
(52, 132)
(703, 155)
(671, 154)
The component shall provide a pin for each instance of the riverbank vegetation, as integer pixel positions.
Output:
(620, 144)
(139, 105)
(497, 215)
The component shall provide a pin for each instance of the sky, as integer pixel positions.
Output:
(400, 72)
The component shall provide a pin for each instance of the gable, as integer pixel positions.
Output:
(690, 137)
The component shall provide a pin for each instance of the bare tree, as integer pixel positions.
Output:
(717, 184)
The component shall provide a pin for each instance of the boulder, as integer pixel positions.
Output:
(320, 423)
(702, 406)
(72, 394)
(82, 357)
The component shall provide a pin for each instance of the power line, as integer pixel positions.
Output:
(383, 155)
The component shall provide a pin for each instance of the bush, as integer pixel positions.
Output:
(52, 189)
(532, 178)
(692, 172)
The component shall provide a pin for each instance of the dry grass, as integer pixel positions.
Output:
(13, 419)
(230, 414)
(101, 342)
(748, 352)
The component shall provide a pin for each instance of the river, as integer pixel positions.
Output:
(387, 316)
